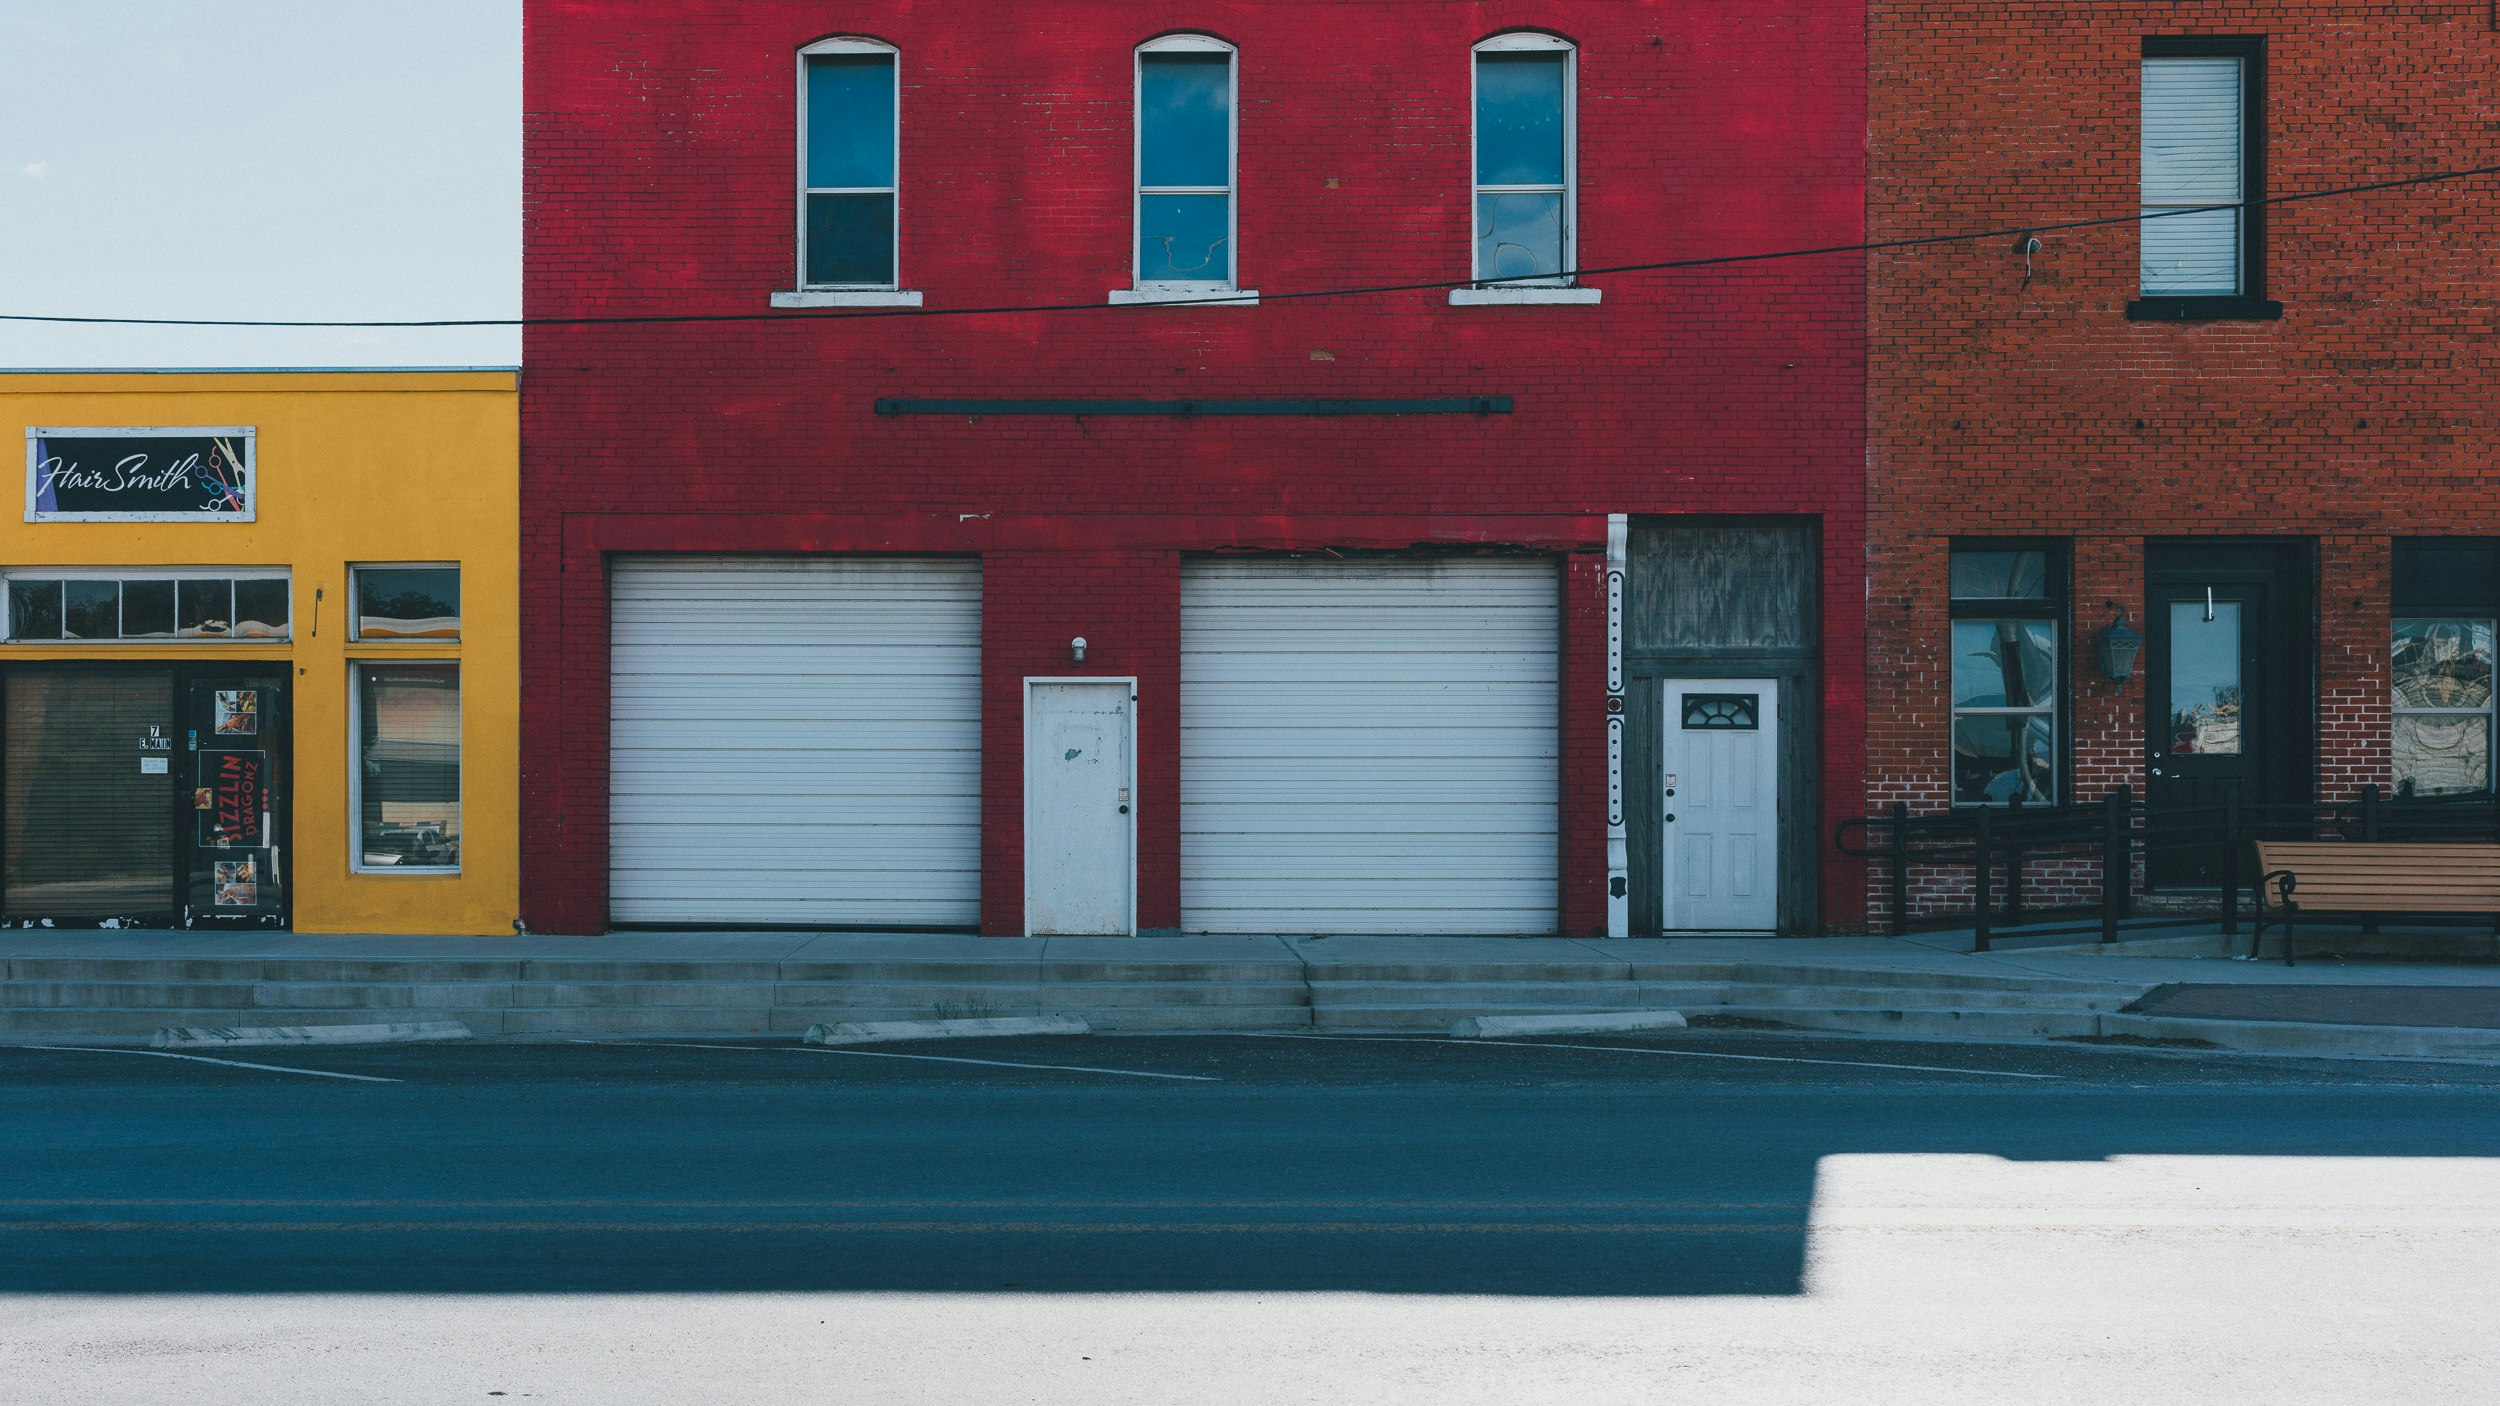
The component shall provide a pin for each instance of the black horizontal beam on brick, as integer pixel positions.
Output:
(1446, 405)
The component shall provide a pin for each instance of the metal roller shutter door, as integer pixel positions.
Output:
(795, 740)
(1370, 747)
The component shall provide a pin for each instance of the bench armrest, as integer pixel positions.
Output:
(2284, 881)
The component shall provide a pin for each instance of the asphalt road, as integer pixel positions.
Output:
(1241, 1219)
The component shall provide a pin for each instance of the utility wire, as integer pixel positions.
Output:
(857, 314)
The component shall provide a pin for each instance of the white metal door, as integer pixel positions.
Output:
(1370, 746)
(1721, 831)
(795, 740)
(1080, 823)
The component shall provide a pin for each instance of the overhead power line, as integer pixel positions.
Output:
(1366, 290)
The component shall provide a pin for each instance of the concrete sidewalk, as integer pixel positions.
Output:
(59, 984)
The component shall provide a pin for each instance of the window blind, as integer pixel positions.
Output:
(2194, 119)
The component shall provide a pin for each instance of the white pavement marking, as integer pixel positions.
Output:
(1010, 1064)
(231, 1063)
(1644, 1049)
(890, 1054)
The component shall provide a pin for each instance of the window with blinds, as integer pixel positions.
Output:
(2195, 145)
(407, 781)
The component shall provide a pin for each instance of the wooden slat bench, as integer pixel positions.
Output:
(2360, 881)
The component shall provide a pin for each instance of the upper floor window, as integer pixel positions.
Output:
(2201, 239)
(847, 159)
(1185, 149)
(2008, 608)
(1525, 159)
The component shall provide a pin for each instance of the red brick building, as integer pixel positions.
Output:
(2262, 431)
(1267, 612)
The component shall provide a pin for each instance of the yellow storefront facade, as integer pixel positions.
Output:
(262, 660)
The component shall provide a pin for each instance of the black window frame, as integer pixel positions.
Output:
(2250, 304)
(2424, 583)
(2055, 604)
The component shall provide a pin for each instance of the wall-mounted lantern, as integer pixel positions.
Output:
(1076, 649)
(2120, 643)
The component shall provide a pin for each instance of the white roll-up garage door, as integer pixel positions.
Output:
(1370, 746)
(795, 740)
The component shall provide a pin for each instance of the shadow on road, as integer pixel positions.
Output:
(1292, 1167)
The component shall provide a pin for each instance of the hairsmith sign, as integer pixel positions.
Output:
(140, 475)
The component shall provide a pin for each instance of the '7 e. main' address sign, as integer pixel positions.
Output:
(155, 474)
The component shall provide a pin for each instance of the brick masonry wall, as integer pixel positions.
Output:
(2002, 407)
(659, 179)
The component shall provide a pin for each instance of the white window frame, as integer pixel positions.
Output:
(2054, 711)
(2489, 712)
(152, 573)
(891, 293)
(355, 602)
(356, 768)
(1563, 287)
(251, 469)
(1202, 293)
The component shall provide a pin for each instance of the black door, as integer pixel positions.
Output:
(2228, 695)
(235, 735)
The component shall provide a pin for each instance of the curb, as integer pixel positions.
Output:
(1483, 1027)
(871, 1032)
(2314, 1038)
(225, 1037)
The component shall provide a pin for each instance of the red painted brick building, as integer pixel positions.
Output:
(2265, 438)
(1416, 610)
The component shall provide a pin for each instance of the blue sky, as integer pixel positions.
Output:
(260, 158)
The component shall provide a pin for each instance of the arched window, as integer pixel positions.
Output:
(849, 147)
(1526, 160)
(1186, 221)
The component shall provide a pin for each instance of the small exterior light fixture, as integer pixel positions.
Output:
(1076, 649)
(2120, 643)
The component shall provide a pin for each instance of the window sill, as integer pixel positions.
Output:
(1512, 295)
(1185, 296)
(847, 298)
(2203, 310)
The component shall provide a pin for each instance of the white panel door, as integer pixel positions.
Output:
(1080, 846)
(795, 741)
(1721, 831)
(1370, 746)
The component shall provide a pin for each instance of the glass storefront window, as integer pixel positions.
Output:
(2008, 608)
(2442, 736)
(407, 766)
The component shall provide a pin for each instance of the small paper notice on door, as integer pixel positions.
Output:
(156, 766)
(238, 712)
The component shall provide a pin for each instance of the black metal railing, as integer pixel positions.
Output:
(2117, 833)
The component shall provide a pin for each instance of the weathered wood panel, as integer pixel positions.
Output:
(1723, 585)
